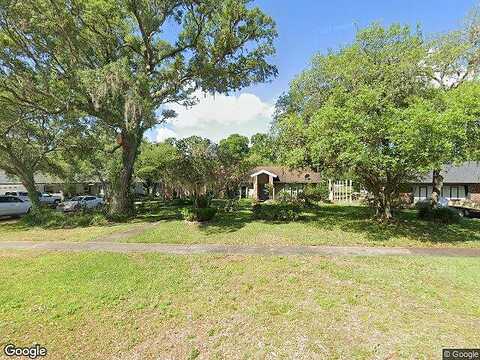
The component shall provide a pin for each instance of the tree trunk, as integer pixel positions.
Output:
(122, 198)
(28, 181)
(437, 183)
(384, 206)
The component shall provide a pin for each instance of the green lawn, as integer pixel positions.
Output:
(323, 225)
(93, 306)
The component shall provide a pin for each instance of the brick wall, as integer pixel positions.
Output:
(474, 192)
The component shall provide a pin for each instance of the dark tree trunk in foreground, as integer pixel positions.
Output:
(122, 197)
(28, 182)
(437, 184)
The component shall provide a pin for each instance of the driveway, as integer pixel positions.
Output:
(263, 250)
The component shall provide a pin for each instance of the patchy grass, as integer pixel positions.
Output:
(17, 231)
(150, 306)
(323, 225)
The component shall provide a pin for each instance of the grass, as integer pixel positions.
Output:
(16, 231)
(147, 306)
(323, 225)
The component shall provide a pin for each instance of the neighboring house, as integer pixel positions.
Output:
(268, 182)
(50, 184)
(459, 183)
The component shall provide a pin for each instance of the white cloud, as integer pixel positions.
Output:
(216, 117)
(164, 133)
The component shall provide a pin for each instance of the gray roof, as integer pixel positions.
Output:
(39, 179)
(467, 173)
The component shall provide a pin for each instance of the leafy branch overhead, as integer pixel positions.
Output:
(120, 62)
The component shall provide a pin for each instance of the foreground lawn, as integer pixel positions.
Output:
(324, 225)
(148, 306)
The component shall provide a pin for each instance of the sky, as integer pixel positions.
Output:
(305, 27)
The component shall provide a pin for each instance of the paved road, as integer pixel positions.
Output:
(237, 249)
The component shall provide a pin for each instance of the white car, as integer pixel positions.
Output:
(13, 206)
(23, 195)
(49, 199)
(80, 202)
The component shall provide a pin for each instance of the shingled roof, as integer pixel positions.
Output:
(289, 176)
(467, 173)
(39, 179)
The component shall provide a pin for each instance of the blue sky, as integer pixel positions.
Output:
(306, 27)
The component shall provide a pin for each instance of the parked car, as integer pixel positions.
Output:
(14, 206)
(80, 202)
(49, 199)
(23, 195)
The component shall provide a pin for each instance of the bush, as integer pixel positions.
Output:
(315, 193)
(231, 205)
(441, 215)
(47, 218)
(199, 214)
(273, 211)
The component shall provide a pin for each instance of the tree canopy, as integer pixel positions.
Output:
(119, 62)
(372, 109)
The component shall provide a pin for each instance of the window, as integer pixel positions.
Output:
(3, 199)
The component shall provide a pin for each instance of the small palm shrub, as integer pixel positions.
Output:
(199, 214)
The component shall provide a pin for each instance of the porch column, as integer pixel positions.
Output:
(270, 181)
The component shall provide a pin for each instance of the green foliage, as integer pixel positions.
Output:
(315, 193)
(199, 214)
(441, 215)
(371, 109)
(262, 149)
(110, 64)
(234, 163)
(51, 219)
(231, 205)
(276, 211)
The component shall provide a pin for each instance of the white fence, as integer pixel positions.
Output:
(340, 191)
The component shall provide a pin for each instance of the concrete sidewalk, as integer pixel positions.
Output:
(262, 250)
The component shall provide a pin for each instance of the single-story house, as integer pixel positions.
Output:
(268, 182)
(459, 183)
(51, 184)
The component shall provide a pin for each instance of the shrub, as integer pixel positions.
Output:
(199, 214)
(231, 205)
(47, 218)
(272, 211)
(202, 201)
(315, 193)
(441, 215)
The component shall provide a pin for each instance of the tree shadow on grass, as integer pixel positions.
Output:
(227, 222)
(359, 220)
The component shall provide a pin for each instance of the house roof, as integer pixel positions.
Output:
(466, 173)
(39, 179)
(285, 175)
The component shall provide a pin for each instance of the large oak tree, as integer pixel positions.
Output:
(121, 62)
